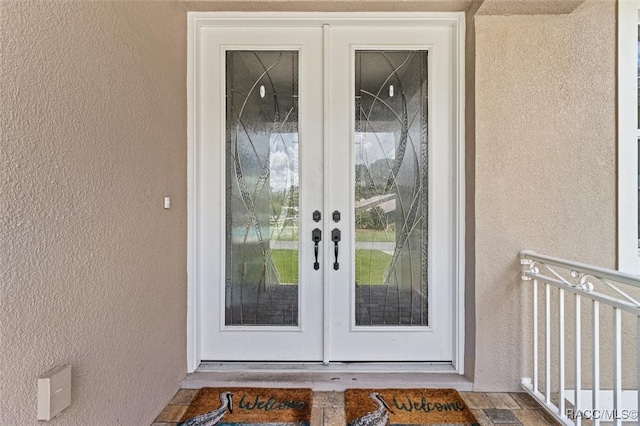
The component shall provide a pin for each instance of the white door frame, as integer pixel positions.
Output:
(198, 20)
(628, 135)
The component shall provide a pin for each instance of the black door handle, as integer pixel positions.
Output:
(335, 237)
(316, 237)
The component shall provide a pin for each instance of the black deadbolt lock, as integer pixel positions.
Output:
(336, 216)
(317, 216)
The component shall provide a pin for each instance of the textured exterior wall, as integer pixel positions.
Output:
(329, 5)
(93, 119)
(528, 7)
(470, 194)
(545, 165)
(483, 7)
(93, 269)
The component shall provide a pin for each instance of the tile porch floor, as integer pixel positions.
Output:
(328, 409)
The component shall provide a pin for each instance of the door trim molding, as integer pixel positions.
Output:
(628, 135)
(198, 20)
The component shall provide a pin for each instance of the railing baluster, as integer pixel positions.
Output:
(561, 367)
(547, 343)
(617, 366)
(577, 358)
(595, 396)
(584, 282)
(535, 336)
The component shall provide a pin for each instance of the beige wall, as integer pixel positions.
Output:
(93, 116)
(330, 5)
(545, 164)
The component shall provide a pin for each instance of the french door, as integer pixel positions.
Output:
(325, 204)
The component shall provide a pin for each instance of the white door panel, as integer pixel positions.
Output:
(378, 318)
(253, 133)
(260, 169)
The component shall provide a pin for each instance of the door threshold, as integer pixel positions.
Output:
(332, 377)
(336, 367)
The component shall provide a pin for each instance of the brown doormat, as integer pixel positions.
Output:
(406, 407)
(249, 406)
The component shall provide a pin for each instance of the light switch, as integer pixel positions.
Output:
(167, 202)
(54, 392)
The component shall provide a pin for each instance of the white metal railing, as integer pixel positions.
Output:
(603, 290)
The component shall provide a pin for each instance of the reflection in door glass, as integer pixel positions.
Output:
(261, 269)
(391, 188)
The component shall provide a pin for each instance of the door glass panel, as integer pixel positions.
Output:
(391, 188)
(261, 269)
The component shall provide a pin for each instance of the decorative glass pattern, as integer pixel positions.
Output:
(391, 188)
(261, 188)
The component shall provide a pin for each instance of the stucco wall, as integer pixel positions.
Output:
(93, 269)
(93, 119)
(545, 164)
(328, 5)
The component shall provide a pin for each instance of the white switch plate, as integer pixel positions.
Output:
(54, 392)
(167, 202)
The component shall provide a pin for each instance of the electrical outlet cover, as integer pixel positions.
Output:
(54, 392)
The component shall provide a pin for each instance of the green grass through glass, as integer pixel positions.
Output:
(371, 235)
(371, 266)
(286, 262)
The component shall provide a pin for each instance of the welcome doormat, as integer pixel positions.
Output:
(406, 407)
(249, 406)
